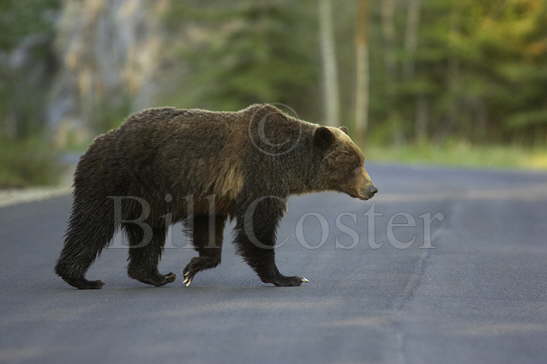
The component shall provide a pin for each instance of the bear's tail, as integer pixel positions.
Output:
(90, 229)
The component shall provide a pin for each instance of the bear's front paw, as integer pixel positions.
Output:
(282, 281)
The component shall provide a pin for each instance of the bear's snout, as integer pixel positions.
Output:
(369, 191)
(372, 190)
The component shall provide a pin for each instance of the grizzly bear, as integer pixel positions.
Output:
(201, 167)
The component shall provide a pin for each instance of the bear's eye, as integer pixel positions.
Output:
(356, 171)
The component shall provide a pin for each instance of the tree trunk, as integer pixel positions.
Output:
(361, 69)
(422, 117)
(328, 54)
(411, 45)
(388, 8)
(454, 76)
(411, 36)
(388, 31)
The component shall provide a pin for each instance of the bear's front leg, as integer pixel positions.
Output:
(206, 234)
(255, 229)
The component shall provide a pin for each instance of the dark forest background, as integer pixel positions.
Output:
(448, 81)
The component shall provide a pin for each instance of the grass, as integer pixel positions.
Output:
(461, 154)
(30, 162)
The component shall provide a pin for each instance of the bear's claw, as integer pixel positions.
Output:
(187, 280)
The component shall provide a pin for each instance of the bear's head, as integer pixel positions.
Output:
(342, 165)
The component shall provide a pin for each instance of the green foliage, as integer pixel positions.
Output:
(25, 73)
(478, 76)
(28, 162)
(110, 114)
(19, 19)
(26, 157)
(480, 72)
(249, 52)
(460, 154)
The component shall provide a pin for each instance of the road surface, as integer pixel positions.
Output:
(473, 289)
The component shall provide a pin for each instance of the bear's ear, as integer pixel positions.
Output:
(323, 137)
(344, 129)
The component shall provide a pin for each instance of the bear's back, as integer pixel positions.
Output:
(169, 146)
(194, 132)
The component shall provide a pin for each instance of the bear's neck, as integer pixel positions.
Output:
(298, 169)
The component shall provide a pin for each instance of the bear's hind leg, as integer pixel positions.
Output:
(144, 255)
(207, 239)
(87, 234)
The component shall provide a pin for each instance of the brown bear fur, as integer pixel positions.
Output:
(202, 167)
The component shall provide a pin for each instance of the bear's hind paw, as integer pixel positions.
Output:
(82, 283)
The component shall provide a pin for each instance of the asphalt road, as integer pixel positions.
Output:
(472, 290)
